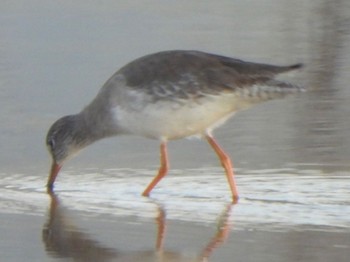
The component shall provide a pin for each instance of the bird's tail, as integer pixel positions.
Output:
(295, 66)
(270, 89)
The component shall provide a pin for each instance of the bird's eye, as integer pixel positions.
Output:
(51, 143)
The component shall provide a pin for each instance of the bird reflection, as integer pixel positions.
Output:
(62, 238)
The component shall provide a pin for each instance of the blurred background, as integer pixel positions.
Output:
(55, 55)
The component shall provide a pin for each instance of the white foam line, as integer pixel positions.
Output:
(267, 199)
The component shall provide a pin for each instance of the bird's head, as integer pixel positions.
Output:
(63, 142)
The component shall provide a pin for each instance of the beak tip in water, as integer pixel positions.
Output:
(55, 168)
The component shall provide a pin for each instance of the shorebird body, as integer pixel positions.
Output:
(166, 96)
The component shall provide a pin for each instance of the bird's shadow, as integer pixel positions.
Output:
(64, 238)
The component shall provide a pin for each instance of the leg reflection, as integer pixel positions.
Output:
(63, 238)
(223, 231)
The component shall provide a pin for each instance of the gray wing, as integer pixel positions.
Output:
(185, 74)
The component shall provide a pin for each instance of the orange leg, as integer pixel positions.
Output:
(226, 163)
(163, 170)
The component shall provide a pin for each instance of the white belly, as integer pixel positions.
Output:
(172, 120)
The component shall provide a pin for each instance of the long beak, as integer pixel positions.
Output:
(55, 168)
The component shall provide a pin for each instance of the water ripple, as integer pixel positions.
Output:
(270, 199)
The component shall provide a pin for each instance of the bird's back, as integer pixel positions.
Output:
(192, 74)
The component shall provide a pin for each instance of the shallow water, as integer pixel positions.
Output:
(267, 201)
(291, 156)
(99, 215)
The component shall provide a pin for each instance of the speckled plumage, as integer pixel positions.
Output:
(187, 74)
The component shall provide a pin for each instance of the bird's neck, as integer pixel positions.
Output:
(97, 121)
(81, 131)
